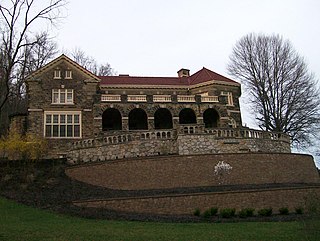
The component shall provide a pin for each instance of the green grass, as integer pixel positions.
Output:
(18, 222)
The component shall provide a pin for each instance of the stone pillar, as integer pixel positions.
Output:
(151, 123)
(125, 123)
(200, 120)
(175, 122)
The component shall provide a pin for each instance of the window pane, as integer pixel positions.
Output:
(55, 98)
(69, 98)
(48, 119)
(69, 119)
(69, 131)
(55, 118)
(55, 131)
(62, 97)
(62, 119)
(76, 119)
(77, 131)
(48, 131)
(63, 131)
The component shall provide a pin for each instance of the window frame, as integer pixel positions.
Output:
(68, 74)
(57, 74)
(58, 95)
(55, 124)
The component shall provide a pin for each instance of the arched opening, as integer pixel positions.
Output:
(210, 118)
(162, 119)
(138, 119)
(187, 116)
(111, 120)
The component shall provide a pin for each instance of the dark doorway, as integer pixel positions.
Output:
(111, 120)
(210, 118)
(138, 119)
(162, 119)
(187, 116)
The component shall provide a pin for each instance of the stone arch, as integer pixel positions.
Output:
(103, 108)
(187, 116)
(211, 118)
(163, 119)
(111, 120)
(138, 119)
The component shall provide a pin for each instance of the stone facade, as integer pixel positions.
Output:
(88, 118)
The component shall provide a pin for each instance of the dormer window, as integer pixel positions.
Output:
(57, 74)
(68, 74)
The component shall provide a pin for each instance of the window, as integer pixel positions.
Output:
(62, 96)
(62, 124)
(57, 74)
(68, 74)
(229, 97)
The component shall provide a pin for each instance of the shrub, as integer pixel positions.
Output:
(213, 211)
(284, 211)
(246, 212)
(265, 212)
(197, 212)
(228, 212)
(299, 210)
(207, 214)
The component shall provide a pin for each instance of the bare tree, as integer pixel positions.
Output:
(283, 92)
(90, 63)
(17, 18)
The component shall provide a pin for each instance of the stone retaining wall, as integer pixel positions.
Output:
(188, 142)
(197, 170)
(186, 204)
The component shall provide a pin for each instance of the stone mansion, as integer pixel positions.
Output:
(88, 118)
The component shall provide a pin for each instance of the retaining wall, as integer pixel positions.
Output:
(186, 204)
(197, 170)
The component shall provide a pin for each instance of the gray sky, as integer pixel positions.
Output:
(157, 38)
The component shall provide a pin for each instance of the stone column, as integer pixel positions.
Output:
(125, 123)
(151, 123)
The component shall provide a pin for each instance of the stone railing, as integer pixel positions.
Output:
(186, 98)
(162, 98)
(137, 98)
(110, 98)
(211, 99)
(218, 133)
(240, 133)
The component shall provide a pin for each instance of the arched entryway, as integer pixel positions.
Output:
(138, 119)
(162, 119)
(111, 120)
(211, 118)
(187, 116)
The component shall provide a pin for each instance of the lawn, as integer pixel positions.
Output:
(19, 222)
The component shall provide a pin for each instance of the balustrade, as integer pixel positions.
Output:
(211, 99)
(186, 98)
(162, 98)
(137, 98)
(110, 98)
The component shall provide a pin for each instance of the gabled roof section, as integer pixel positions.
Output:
(201, 77)
(57, 61)
(205, 75)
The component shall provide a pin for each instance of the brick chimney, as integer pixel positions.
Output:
(183, 73)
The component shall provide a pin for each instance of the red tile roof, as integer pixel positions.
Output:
(203, 75)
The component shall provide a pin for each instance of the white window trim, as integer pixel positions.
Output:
(57, 74)
(61, 113)
(59, 92)
(229, 97)
(68, 74)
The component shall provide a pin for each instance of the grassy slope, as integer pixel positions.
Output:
(18, 222)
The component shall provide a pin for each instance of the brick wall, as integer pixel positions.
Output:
(186, 204)
(197, 170)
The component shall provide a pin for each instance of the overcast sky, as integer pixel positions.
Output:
(157, 38)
